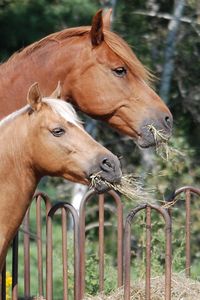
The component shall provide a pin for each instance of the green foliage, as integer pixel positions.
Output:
(25, 21)
(92, 273)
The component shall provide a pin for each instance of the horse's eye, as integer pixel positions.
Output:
(120, 72)
(58, 131)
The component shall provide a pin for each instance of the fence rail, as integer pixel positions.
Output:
(123, 245)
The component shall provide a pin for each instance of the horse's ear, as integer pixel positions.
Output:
(107, 19)
(34, 97)
(97, 29)
(57, 92)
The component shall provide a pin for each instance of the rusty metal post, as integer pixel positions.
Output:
(127, 249)
(127, 258)
(86, 198)
(120, 230)
(64, 253)
(168, 250)
(26, 255)
(148, 253)
(188, 231)
(39, 246)
(15, 268)
(39, 197)
(187, 190)
(101, 242)
(119, 209)
(74, 214)
(49, 289)
(168, 254)
(3, 283)
(49, 260)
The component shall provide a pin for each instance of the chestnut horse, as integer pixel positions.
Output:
(99, 73)
(44, 138)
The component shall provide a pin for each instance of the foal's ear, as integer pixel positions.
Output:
(57, 92)
(97, 29)
(34, 97)
(107, 19)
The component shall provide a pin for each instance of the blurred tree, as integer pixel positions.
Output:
(25, 21)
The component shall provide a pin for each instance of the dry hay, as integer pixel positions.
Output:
(182, 289)
(129, 186)
(163, 149)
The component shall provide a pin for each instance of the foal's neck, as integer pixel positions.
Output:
(17, 185)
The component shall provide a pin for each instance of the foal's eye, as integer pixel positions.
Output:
(120, 72)
(58, 131)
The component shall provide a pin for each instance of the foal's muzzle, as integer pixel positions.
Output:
(107, 168)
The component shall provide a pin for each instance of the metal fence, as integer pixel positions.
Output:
(63, 210)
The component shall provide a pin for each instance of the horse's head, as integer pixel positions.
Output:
(59, 146)
(111, 84)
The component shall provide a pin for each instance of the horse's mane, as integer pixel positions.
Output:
(113, 41)
(60, 107)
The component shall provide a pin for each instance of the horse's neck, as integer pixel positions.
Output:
(17, 185)
(46, 65)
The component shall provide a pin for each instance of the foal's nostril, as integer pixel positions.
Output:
(106, 164)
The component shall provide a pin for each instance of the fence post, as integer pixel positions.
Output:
(168, 249)
(49, 283)
(119, 211)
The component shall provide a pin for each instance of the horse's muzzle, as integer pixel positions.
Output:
(153, 130)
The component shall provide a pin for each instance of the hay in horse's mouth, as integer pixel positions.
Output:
(161, 141)
(158, 135)
(129, 186)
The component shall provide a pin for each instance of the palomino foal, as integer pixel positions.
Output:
(44, 138)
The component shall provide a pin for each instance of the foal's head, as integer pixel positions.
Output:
(59, 146)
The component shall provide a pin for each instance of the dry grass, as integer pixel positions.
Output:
(130, 186)
(162, 146)
(182, 289)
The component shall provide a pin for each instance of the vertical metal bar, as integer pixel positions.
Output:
(3, 283)
(119, 237)
(119, 247)
(77, 272)
(64, 253)
(26, 255)
(188, 231)
(88, 195)
(72, 210)
(15, 268)
(127, 257)
(49, 260)
(168, 259)
(82, 251)
(148, 254)
(101, 242)
(39, 246)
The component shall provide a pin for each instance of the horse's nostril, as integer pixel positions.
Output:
(168, 121)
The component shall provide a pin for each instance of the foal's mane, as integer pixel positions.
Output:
(113, 41)
(59, 107)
